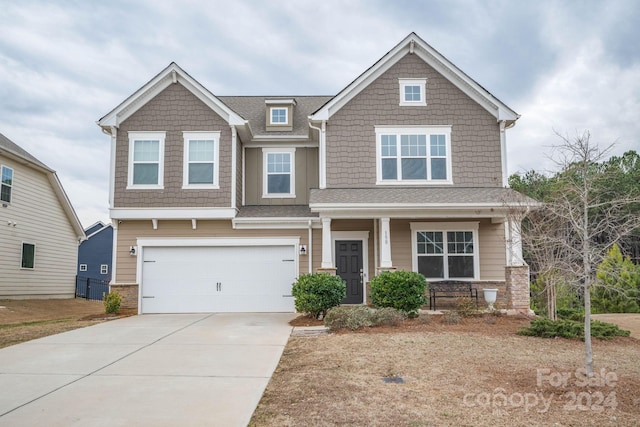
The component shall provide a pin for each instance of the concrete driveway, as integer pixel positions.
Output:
(151, 370)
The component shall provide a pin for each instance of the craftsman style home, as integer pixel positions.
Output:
(218, 203)
(39, 230)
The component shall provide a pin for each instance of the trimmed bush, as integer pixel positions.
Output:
(402, 290)
(466, 307)
(112, 302)
(388, 316)
(546, 328)
(359, 316)
(318, 292)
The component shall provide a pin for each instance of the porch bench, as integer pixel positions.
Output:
(450, 289)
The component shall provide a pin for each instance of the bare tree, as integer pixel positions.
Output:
(569, 235)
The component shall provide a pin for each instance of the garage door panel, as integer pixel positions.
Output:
(218, 279)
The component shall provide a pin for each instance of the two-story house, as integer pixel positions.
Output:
(39, 229)
(218, 203)
(95, 253)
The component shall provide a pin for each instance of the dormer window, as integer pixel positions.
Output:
(279, 114)
(412, 92)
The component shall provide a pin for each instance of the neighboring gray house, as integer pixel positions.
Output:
(219, 202)
(39, 230)
(95, 253)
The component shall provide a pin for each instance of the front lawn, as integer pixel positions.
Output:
(477, 372)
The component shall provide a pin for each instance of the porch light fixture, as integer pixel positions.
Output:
(133, 251)
(303, 249)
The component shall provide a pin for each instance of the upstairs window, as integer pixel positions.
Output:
(279, 116)
(104, 269)
(83, 267)
(413, 155)
(28, 255)
(6, 185)
(412, 92)
(445, 250)
(146, 160)
(279, 172)
(201, 163)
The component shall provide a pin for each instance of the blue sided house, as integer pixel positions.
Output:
(95, 253)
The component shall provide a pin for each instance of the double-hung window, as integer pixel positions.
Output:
(104, 268)
(278, 172)
(146, 160)
(412, 92)
(201, 164)
(6, 184)
(413, 155)
(446, 250)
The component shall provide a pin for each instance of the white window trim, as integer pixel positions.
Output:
(83, 267)
(286, 116)
(10, 186)
(188, 136)
(292, 182)
(104, 268)
(422, 83)
(413, 130)
(133, 136)
(22, 256)
(444, 227)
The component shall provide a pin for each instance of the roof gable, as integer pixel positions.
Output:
(412, 44)
(14, 151)
(172, 74)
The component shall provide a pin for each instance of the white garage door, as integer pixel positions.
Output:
(218, 279)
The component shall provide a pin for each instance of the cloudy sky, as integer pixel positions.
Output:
(567, 66)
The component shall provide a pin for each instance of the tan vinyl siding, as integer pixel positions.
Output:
(174, 111)
(41, 220)
(490, 238)
(351, 140)
(129, 231)
(306, 175)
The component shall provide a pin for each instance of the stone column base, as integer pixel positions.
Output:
(328, 270)
(129, 292)
(518, 292)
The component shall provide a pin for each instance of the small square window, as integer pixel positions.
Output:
(412, 92)
(83, 267)
(104, 269)
(28, 255)
(279, 116)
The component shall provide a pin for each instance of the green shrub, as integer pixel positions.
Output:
(575, 314)
(546, 328)
(388, 316)
(318, 292)
(112, 302)
(466, 307)
(450, 318)
(402, 290)
(617, 289)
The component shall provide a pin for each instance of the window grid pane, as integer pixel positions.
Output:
(459, 255)
(278, 115)
(7, 176)
(412, 93)
(278, 173)
(417, 159)
(201, 150)
(146, 151)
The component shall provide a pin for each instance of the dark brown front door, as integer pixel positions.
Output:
(349, 267)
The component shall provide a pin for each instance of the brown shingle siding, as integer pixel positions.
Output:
(475, 138)
(175, 110)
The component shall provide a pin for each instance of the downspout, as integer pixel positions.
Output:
(112, 162)
(309, 250)
(322, 142)
(503, 153)
(234, 166)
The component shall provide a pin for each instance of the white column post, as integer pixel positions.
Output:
(326, 244)
(514, 243)
(385, 244)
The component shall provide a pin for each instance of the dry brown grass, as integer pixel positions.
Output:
(25, 320)
(338, 379)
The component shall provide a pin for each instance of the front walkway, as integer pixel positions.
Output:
(152, 370)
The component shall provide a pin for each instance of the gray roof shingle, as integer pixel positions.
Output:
(13, 148)
(419, 195)
(253, 108)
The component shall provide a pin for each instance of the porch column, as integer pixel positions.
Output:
(385, 245)
(327, 263)
(514, 243)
